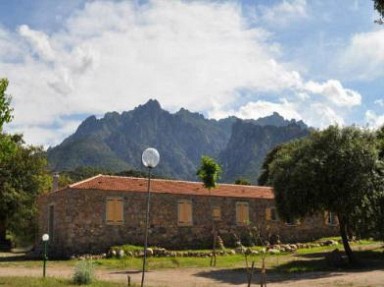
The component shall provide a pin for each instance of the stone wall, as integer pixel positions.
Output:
(80, 222)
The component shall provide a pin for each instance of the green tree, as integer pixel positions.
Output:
(23, 176)
(242, 181)
(209, 172)
(379, 6)
(332, 170)
(369, 218)
(5, 108)
(264, 171)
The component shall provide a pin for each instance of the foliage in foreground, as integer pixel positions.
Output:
(84, 273)
(338, 170)
(23, 176)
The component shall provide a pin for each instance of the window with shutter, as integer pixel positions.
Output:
(115, 210)
(184, 212)
(242, 213)
(216, 213)
(330, 218)
(271, 214)
(292, 221)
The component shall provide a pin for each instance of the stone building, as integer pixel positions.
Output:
(92, 215)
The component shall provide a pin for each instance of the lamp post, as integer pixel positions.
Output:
(150, 159)
(45, 239)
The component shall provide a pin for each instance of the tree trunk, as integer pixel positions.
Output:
(2, 230)
(344, 236)
(213, 258)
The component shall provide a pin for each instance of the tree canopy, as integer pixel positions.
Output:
(5, 101)
(379, 6)
(23, 175)
(209, 171)
(333, 170)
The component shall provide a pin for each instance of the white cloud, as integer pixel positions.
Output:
(335, 93)
(321, 115)
(39, 42)
(258, 109)
(112, 56)
(374, 120)
(380, 102)
(363, 58)
(285, 13)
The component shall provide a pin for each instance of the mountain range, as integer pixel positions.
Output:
(116, 142)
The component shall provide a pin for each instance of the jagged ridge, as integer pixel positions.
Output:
(116, 141)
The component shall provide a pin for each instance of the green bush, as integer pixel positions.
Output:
(84, 273)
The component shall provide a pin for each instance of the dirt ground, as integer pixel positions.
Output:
(212, 277)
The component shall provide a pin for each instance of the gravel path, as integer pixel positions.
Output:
(199, 277)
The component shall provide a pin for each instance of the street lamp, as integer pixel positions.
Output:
(150, 159)
(45, 239)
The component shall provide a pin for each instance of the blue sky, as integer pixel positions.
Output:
(320, 61)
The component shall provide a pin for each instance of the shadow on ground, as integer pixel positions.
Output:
(239, 277)
(9, 257)
(302, 267)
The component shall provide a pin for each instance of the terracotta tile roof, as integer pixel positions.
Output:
(117, 183)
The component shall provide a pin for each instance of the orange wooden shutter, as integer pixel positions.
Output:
(238, 211)
(245, 213)
(114, 212)
(241, 212)
(188, 211)
(268, 214)
(180, 211)
(118, 210)
(184, 212)
(110, 210)
(216, 213)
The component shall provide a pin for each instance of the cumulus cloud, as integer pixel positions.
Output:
(39, 42)
(321, 115)
(335, 93)
(374, 120)
(258, 109)
(113, 56)
(363, 57)
(285, 12)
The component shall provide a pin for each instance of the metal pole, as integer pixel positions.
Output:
(45, 257)
(146, 226)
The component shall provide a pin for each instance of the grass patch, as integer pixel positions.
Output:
(303, 260)
(50, 282)
(171, 262)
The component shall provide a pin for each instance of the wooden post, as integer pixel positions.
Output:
(250, 273)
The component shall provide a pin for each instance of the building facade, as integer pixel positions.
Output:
(97, 213)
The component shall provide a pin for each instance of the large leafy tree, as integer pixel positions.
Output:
(369, 218)
(23, 176)
(332, 170)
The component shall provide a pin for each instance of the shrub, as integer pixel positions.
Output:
(84, 273)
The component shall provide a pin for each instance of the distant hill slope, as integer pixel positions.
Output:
(116, 142)
(250, 143)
